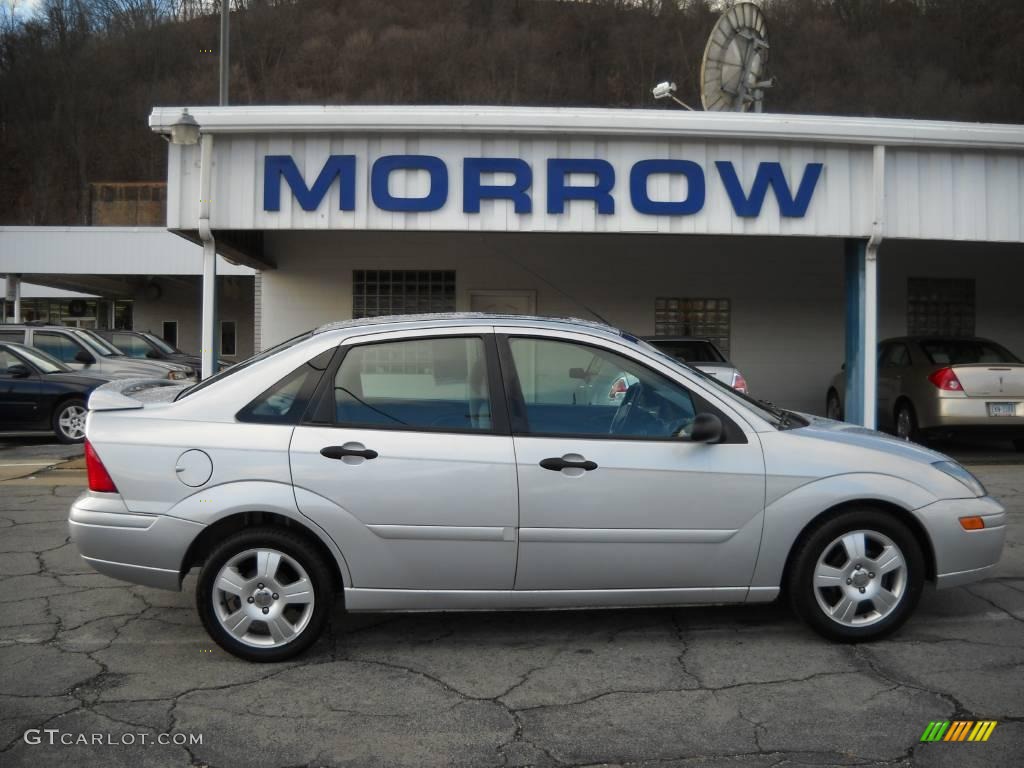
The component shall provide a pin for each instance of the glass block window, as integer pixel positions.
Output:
(704, 318)
(378, 292)
(940, 306)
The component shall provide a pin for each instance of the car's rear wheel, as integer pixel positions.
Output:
(857, 576)
(1019, 445)
(906, 422)
(69, 420)
(833, 408)
(264, 594)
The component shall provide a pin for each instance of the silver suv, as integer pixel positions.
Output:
(83, 350)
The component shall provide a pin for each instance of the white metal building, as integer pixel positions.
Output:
(796, 241)
(141, 278)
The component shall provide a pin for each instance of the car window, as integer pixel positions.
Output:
(690, 351)
(426, 384)
(56, 344)
(221, 375)
(6, 361)
(44, 362)
(17, 337)
(965, 351)
(130, 345)
(576, 389)
(160, 344)
(285, 402)
(96, 343)
(895, 356)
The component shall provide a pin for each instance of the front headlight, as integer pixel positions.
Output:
(953, 469)
(176, 375)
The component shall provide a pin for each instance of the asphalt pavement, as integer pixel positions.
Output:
(94, 672)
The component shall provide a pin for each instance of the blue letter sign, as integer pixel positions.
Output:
(642, 202)
(769, 175)
(433, 200)
(600, 193)
(473, 191)
(337, 166)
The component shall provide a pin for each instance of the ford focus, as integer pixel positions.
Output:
(461, 462)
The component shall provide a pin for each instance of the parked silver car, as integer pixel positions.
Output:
(703, 355)
(449, 463)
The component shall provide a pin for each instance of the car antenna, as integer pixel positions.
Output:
(567, 295)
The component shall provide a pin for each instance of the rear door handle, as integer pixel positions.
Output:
(557, 464)
(341, 451)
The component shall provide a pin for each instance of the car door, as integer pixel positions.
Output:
(408, 463)
(64, 348)
(20, 391)
(610, 497)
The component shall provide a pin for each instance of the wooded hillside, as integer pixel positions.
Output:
(79, 77)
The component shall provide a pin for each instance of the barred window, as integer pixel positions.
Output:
(378, 292)
(703, 318)
(940, 306)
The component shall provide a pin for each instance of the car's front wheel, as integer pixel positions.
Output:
(857, 576)
(69, 421)
(264, 594)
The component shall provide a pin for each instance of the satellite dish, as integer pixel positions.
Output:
(732, 74)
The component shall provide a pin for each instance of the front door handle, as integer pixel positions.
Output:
(341, 451)
(557, 464)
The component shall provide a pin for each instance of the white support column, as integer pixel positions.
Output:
(871, 290)
(14, 288)
(208, 351)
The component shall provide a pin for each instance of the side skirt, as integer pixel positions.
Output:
(505, 600)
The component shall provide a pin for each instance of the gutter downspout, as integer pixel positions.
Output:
(870, 367)
(208, 352)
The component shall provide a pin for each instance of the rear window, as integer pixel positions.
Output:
(965, 352)
(244, 364)
(690, 351)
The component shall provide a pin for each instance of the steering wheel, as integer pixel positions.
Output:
(621, 417)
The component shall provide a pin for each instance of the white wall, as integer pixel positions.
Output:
(787, 295)
(183, 302)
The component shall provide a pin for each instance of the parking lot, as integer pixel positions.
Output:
(81, 655)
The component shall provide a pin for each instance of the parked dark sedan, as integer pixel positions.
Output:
(39, 394)
(149, 346)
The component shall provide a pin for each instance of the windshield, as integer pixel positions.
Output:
(772, 414)
(965, 352)
(41, 360)
(244, 364)
(160, 344)
(95, 344)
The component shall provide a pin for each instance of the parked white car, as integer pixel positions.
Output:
(452, 463)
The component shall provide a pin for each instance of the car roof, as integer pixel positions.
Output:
(935, 337)
(656, 339)
(449, 319)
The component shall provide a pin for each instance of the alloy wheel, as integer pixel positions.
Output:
(71, 422)
(263, 598)
(860, 578)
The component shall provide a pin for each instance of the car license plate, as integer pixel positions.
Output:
(1002, 409)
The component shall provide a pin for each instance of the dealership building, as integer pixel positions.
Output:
(795, 242)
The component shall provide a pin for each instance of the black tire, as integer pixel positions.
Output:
(804, 561)
(68, 409)
(833, 407)
(294, 546)
(1019, 445)
(914, 433)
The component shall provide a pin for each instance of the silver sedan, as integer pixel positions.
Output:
(451, 463)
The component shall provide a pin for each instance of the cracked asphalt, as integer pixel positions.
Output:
(83, 654)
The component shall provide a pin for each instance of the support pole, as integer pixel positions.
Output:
(14, 282)
(225, 49)
(208, 350)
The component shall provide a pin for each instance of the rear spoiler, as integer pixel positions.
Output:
(123, 394)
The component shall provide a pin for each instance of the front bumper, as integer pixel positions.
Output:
(142, 549)
(962, 557)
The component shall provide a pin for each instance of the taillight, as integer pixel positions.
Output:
(739, 383)
(99, 478)
(617, 388)
(945, 379)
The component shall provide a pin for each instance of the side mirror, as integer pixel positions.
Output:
(577, 373)
(18, 371)
(707, 428)
(85, 358)
(153, 355)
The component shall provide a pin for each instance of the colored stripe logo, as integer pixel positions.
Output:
(958, 730)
